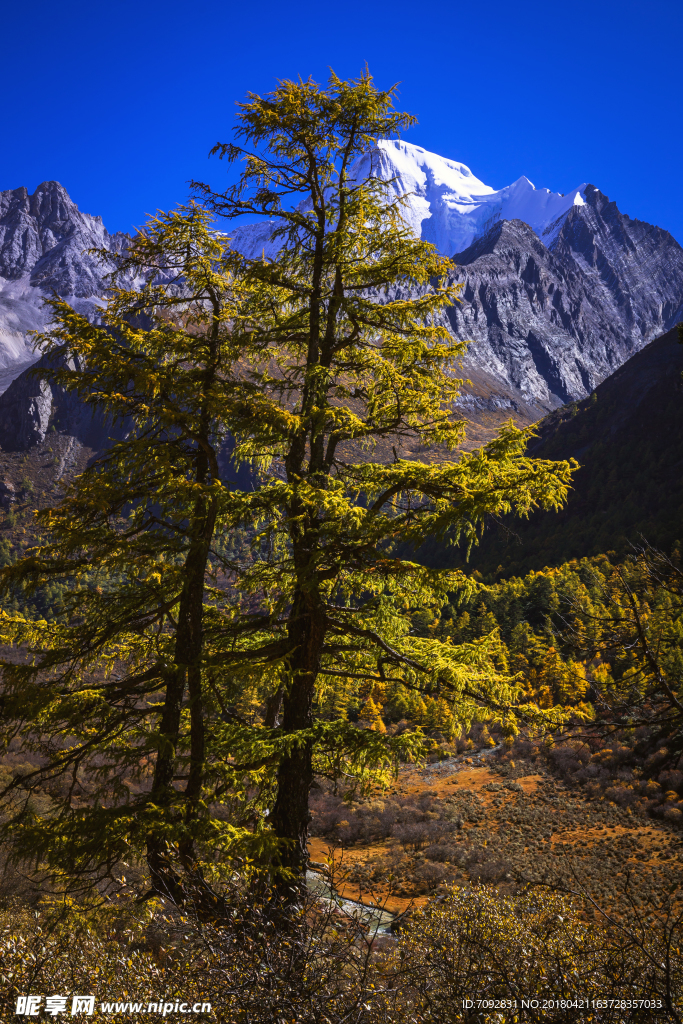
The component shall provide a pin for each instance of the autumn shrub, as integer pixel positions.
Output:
(444, 851)
(569, 758)
(476, 944)
(409, 819)
(263, 964)
(625, 795)
(615, 768)
(491, 871)
(99, 953)
(672, 780)
(417, 835)
(327, 810)
(315, 965)
(432, 874)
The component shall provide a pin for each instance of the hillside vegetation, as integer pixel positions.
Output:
(628, 439)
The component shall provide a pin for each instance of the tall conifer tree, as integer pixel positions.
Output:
(318, 365)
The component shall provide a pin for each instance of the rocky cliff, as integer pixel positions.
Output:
(45, 244)
(552, 322)
(33, 406)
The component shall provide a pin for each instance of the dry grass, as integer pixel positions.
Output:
(507, 823)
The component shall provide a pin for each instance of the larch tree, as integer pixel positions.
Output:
(179, 698)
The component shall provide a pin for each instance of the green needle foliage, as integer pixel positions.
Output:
(177, 713)
(631, 629)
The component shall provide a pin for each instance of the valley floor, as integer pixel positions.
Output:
(502, 821)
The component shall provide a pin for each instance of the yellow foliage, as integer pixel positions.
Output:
(372, 713)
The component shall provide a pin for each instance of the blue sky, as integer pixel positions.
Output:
(121, 101)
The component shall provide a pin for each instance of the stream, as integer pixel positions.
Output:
(374, 919)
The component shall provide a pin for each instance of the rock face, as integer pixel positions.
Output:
(32, 405)
(44, 243)
(553, 322)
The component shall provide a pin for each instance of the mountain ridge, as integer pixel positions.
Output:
(554, 322)
(571, 291)
(44, 248)
(552, 303)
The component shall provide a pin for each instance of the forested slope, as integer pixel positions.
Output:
(628, 438)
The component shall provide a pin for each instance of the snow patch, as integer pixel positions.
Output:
(447, 204)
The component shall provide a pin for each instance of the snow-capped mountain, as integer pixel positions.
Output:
(558, 291)
(446, 205)
(450, 207)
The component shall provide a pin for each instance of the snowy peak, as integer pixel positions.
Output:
(444, 197)
(446, 203)
(450, 207)
(541, 209)
(422, 173)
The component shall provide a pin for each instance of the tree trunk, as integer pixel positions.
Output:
(290, 815)
(187, 675)
(271, 718)
(165, 881)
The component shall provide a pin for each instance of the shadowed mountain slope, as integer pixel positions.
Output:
(628, 438)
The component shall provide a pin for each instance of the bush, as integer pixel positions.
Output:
(672, 780)
(314, 965)
(476, 944)
(432, 874)
(417, 835)
(490, 871)
(441, 852)
(264, 964)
